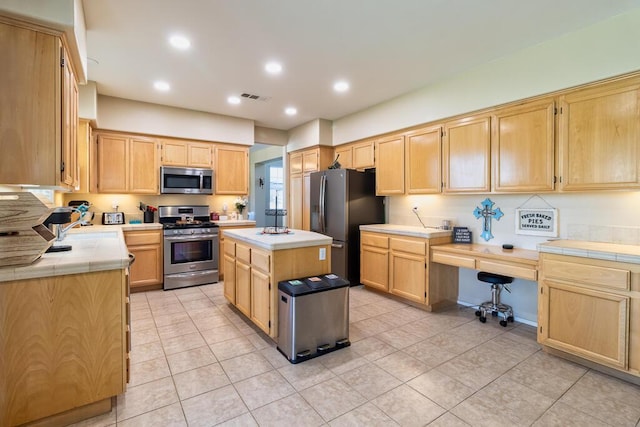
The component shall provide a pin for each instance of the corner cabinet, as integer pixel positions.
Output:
(399, 265)
(38, 110)
(600, 137)
(359, 155)
(466, 155)
(523, 144)
(589, 308)
(301, 165)
(127, 164)
(231, 169)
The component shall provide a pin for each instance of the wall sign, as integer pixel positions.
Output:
(537, 222)
(461, 235)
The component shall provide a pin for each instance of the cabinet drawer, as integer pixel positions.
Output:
(230, 248)
(604, 277)
(374, 240)
(243, 253)
(136, 238)
(260, 260)
(507, 270)
(417, 246)
(455, 260)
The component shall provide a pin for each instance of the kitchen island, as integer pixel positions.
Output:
(254, 263)
(64, 330)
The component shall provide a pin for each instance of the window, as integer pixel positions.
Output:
(276, 187)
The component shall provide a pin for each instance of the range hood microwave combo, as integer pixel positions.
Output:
(175, 180)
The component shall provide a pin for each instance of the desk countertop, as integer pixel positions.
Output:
(490, 251)
(595, 250)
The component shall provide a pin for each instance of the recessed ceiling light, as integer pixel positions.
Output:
(273, 67)
(290, 111)
(161, 86)
(180, 42)
(341, 86)
(233, 100)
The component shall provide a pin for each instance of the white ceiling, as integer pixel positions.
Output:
(384, 48)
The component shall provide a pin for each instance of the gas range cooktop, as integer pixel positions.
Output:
(194, 224)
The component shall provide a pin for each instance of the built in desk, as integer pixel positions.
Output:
(520, 263)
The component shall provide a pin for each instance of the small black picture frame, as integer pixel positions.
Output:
(462, 235)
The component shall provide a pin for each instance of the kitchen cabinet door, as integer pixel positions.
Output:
(311, 160)
(38, 110)
(260, 299)
(584, 322)
(143, 166)
(113, 163)
(243, 287)
(295, 163)
(390, 166)
(231, 169)
(467, 144)
(600, 137)
(363, 155)
(306, 201)
(374, 260)
(424, 160)
(230, 278)
(200, 155)
(408, 268)
(523, 144)
(174, 153)
(344, 155)
(295, 213)
(147, 270)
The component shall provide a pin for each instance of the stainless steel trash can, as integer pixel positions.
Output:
(313, 316)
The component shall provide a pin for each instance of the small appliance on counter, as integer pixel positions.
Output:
(111, 218)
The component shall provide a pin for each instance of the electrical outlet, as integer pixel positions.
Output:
(114, 204)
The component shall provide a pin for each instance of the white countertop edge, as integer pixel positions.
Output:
(232, 222)
(405, 230)
(607, 252)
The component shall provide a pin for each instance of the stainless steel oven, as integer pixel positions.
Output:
(190, 246)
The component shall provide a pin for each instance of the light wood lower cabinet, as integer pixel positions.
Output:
(63, 341)
(253, 285)
(589, 308)
(400, 265)
(222, 228)
(146, 272)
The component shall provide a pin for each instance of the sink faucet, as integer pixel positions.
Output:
(61, 232)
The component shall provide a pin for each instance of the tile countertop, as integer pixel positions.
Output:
(274, 242)
(406, 230)
(234, 222)
(595, 250)
(94, 248)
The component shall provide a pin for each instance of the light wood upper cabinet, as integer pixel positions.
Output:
(600, 137)
(84, 161)
(390, 165)
(38, 110)
(301, 165)
(364, 155)
(423, 161)
(127, 164)
(345, 156)
(523, 147)
(466, 155)
(231, 168)
(177, 152)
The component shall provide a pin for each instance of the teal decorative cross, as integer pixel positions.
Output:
(488, 214)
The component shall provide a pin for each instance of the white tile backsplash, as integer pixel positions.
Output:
(604, 233)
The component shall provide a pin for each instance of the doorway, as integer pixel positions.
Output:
(267, 184)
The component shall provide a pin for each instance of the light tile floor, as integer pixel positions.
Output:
(197, 361)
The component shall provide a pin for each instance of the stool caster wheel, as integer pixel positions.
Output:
(503, 323)
(483, 319)
(494, 313)
(478, 313)
(510, 319)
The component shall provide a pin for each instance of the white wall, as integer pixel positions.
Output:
(141, 117)
(88, 101)
(270, 136)
(606, 49)
(315, 132)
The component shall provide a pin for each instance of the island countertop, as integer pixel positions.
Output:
(274, 242)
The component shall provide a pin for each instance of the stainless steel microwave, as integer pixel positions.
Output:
(186, 180)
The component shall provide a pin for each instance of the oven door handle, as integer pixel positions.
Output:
(190, 237)
(190, 274)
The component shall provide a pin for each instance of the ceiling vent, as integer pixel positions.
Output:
(255, 97)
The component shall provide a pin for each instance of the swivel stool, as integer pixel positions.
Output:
(498, 282)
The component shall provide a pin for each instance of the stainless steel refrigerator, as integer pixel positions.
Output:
(341, 201)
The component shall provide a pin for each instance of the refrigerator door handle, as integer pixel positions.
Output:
(337, 245)
(323, 184)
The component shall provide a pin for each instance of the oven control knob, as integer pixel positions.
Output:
(176, 231)
(193, 231)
